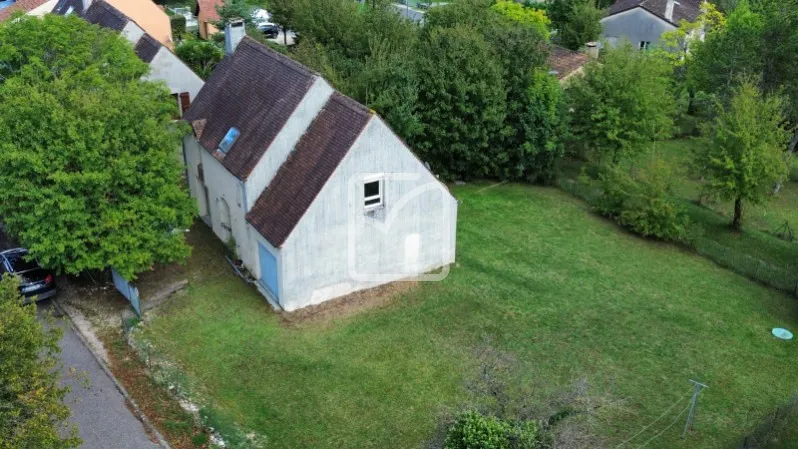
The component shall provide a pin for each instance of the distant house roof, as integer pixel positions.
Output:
(20, 5)
(254, 90)
(565, 62)
(208, 9)
(102, 14)
(682, 9)
(300, 179)
(63, 6)
(147, 47)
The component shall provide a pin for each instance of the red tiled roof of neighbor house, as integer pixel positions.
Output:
(303, 175)
(20, 5)
(208, 9)
(682, 9)
(254, 90)
(565, 61)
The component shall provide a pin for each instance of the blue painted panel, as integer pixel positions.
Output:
(127, 289)
(268, 270)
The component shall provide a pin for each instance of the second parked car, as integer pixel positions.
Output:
(36, 283)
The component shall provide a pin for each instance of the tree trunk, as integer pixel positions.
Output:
(285, 36)
(690, 101)
(738, 214)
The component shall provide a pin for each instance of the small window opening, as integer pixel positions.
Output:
(372, 193)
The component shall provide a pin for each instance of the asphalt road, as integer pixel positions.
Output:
(98, 408)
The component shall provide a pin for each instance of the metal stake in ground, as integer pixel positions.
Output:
(693, 402)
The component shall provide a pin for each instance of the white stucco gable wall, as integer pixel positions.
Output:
(167, 67)
(420, 228)
(636, 25)
(222, 188)
(286, 139)
(132, 32)
(43, 9)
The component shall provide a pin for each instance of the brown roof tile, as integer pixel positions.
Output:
(102, 14)
(307, 169)
(254, 90)
(683, 9)
(565, 61)
(147, 47)
(208, 9)
(20, 5)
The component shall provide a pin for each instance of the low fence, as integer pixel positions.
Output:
(128, 290)
(778, 430)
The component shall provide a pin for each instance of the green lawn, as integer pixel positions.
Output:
(568, 293)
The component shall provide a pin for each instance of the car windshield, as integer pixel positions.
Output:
(19, 264)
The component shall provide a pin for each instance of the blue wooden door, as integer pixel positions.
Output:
(268, 270)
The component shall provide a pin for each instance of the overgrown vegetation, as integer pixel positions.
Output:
(32, 409)
(89, 179)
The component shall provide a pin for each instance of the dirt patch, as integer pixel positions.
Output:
(347, 306)
(94, 301)
(177, 425)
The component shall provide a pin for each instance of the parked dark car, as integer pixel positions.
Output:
(269, 30)
(36, 283)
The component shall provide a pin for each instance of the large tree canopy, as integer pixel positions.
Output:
(32, 412)
(743, 151)
(90, 176)
(622, 103)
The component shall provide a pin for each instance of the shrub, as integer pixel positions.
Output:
(639, 201)
(474, 431)
(178, 25)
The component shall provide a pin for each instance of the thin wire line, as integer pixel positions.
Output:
(663, 430)
(655, 421)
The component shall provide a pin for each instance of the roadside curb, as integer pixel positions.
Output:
(136, 410)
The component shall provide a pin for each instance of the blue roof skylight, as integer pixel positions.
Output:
(229, 139)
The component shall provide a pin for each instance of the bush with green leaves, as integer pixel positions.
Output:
(639, 200)
(620, 104)
(473, 430)
(32, 411)
(202, 56)
(178, 25)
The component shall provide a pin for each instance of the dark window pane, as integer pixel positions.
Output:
(372, 201)
(19, 264)
(372, 189)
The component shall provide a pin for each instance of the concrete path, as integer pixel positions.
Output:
(98, 408)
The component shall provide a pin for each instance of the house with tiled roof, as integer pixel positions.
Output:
(207, 16)
(165, 66)
(29, 7)
(148, 16)
(642, 22)
(565, 63)
(315, 193)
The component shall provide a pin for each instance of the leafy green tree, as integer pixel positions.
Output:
(727, 53)
(282, 12)
(523, 15)
(90, 173)
(32, 411)
(583, 25)
(621, 104)
(234, 9)
(201, 56)
(575, 21)
(461, 102)
(743, 148)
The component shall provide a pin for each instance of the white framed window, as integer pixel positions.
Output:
(373, 192)
(644, 45)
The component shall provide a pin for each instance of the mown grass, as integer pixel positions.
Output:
(565, 291)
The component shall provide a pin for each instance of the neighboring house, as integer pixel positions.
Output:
(30, 7)
(315, 193)
(642, 22)
(147, 15)
(206, 13)
(566, 63)
(165, 66)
